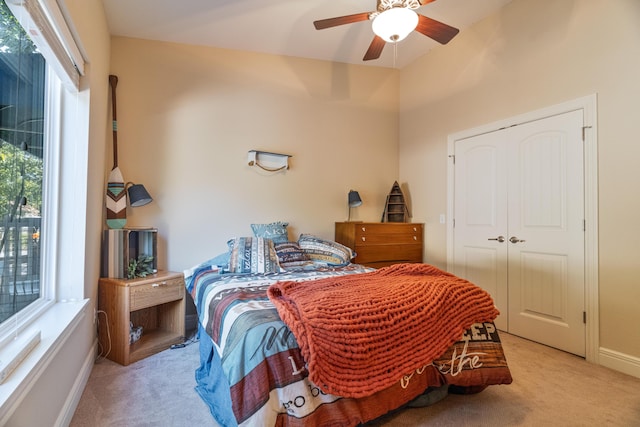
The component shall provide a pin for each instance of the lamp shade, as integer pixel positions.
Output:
(138, 195)
(395, 24)
(354, 199)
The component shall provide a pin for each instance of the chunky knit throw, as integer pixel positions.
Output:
(362, 333)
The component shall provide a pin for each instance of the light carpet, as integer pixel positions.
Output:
(550, 388)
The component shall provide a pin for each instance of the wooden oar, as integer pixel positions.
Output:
(116, 198)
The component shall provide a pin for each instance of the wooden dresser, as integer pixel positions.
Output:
(378, 244)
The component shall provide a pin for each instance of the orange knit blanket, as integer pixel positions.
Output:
(361, 333)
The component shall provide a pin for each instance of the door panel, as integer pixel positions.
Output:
(543, 189)
(481, 267)
(544, 286)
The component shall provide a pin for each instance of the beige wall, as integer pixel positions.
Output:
(94, 40)
(188, 115)
(90, 23)
(531, 55)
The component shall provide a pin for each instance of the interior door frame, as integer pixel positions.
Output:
(588, 105)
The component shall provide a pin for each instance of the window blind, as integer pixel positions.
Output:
(47, 27)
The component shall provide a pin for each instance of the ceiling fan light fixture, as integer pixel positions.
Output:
(395, 24)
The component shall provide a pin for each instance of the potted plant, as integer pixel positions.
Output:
(141, 267)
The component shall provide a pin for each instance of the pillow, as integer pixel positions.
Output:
(290, 254)
(219, 262)
(276, 231)
(252, 255)
(325, 251)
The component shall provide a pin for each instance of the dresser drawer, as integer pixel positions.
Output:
(156, 292)
(373, 234)
(389, 253)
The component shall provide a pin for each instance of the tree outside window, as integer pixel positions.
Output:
(22, 89)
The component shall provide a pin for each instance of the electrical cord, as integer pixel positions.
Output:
(106, 319)
(192, 339)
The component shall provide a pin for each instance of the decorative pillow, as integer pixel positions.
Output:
(219, 262)
(290, 254)
(325, 251)
(276, 231)
(252, 255)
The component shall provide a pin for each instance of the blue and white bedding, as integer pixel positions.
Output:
(252, 372)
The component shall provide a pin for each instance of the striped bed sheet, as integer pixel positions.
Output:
(252, 372)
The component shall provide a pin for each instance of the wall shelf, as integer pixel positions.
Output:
(268, 161)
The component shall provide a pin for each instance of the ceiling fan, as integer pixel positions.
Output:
(393, 20)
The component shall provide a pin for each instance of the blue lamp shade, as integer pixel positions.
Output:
(354, 199)
(138, 195)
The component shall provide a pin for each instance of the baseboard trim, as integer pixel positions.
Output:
(621, 362)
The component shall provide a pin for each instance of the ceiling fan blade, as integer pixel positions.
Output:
(440, 32)
(340, 20)
(375, 49)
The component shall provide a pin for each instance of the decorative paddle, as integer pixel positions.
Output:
(116, 198)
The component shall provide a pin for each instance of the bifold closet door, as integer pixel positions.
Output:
(519, 226)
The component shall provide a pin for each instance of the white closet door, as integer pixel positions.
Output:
(480, 231)
(519, 211)
(546, 232)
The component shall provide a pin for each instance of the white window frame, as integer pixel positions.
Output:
(61, 306)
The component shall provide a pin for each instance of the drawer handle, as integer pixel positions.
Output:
(415, 238)
(364, 229)
(157, 285)
(415, 229)
(364, 238)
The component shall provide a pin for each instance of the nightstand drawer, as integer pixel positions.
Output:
(156, 292)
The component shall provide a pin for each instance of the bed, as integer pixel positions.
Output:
(293, 334)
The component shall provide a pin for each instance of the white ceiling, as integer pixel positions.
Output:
(283, 27)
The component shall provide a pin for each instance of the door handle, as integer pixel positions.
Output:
(499, 239)
(514, 239)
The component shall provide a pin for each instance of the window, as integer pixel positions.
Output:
(43, 118)
(22, 115)
(49, 128)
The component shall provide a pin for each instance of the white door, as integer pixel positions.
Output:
(519, 226)
(480, 230)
